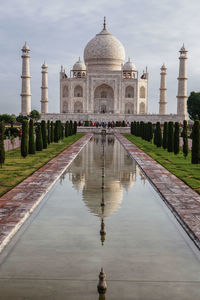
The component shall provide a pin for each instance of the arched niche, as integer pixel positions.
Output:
(142, 108)
(129, 92)
(65, 91)
(65, 107)
(78, 91)
(129, 108)
(142, 92)
(78, 107)
(104, 99)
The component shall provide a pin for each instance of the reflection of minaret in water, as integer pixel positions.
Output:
(102, 286)
(103, 229)
(103, 174)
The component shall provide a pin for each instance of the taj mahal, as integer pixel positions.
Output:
(105, 87)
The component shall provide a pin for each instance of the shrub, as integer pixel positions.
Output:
(66, 129)
(2, 149)
(176, 138)
(196, 143)
(31, 145)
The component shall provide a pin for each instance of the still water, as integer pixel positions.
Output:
(59, 252)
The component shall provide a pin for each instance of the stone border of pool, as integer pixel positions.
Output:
(180, 198)
(17, 204)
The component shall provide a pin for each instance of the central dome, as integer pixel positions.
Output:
(104, 52)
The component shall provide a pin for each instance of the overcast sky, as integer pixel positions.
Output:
(152, 32)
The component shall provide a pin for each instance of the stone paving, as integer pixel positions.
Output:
(19, 203)
(181, 199)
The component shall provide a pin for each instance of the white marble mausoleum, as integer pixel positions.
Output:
(105, 87)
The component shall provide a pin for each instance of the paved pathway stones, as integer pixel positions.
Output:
(182, 200)
(17, 204)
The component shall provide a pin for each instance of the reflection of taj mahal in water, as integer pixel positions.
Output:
(120, 175)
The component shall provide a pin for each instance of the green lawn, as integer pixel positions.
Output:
(176, 164)
(17, 168)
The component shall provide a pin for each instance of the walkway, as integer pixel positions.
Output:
(181, 199)
(19, 203)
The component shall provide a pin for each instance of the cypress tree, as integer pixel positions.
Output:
(146, 131)
(44, 134)
(2, 149)
(59, 130)
(52, 132)
(132, 129)
(39, 141)
(185, 139)
(70, 128)
(159, 135)
(165, 135)
(31, 142)
(138, 129)
(66, 129)
(176, 138)
(75, 127)
(150, 131)
(170, 138)
(24, 140)
(62, 131)
(196, 143)
(48, 132)
(56, 132)
(155, 138)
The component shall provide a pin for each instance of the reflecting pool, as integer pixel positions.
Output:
(102, 213)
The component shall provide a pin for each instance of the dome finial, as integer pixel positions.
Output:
(104, 23)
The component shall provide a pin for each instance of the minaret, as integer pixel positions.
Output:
(44, 90)
(182, 83)
(26, 88)
(163, 90)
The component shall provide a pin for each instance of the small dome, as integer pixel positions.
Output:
(44, 66)
(26, 47)
(163, 67)
(129, 66)
(79, 66)
(104, 52)
(183, 50)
